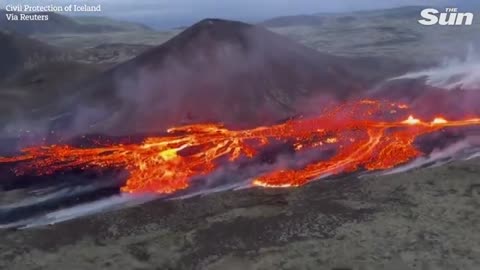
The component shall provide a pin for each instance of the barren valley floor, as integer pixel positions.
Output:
(424, 219)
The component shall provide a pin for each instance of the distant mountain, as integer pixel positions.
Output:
(347, 17)
(216, 70)
(105, 21)
(294, 20)
(58, 23)
(393, 13)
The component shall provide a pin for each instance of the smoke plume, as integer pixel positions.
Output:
(453, 73)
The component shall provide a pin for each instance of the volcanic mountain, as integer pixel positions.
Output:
(216, 70)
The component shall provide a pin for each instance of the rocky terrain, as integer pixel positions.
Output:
(424, 219)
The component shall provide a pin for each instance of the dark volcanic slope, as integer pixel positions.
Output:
(17, 51)
(215, 70)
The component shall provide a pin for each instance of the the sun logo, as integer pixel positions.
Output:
(451, 16)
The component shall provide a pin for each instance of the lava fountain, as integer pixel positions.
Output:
(366, 135)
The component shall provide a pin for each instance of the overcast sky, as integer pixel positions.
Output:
(172, 13)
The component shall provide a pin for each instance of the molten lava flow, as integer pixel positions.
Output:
(368, 134)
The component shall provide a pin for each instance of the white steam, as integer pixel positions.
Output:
(453, 73)
(107, 204)
(462, 150)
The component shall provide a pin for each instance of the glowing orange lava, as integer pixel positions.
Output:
(368, 134)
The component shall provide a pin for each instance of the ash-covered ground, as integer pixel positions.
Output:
(423, 219)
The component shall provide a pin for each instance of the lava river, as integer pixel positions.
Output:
(366, 135)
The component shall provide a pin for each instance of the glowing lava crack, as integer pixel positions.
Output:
(368, 134)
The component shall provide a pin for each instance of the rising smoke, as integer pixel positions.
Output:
(452, 74)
